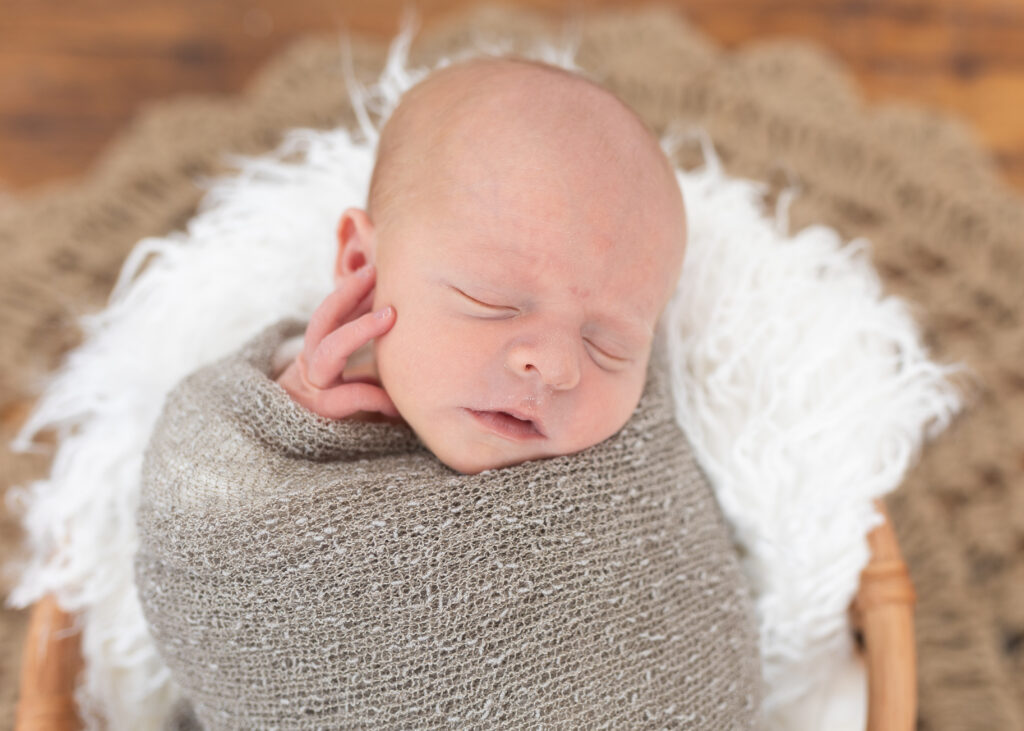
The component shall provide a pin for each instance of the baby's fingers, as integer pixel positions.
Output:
(329, 358)
(339, 306)
(348, 398)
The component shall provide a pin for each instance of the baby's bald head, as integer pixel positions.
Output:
(525, 120)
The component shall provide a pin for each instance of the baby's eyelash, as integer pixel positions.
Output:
(605, 353)
(595, 346)
(474, 300)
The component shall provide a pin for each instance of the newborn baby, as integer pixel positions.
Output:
(458, 494)
(525, 231)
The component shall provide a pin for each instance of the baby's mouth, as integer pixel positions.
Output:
(507, 425)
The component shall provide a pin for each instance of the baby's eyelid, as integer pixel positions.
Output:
(605, 353)
(475, 301)
(592, 344)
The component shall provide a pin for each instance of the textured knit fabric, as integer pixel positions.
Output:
(302, 573)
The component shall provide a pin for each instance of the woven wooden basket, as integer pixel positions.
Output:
(882, 614)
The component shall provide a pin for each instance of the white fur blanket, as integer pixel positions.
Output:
(805, 393)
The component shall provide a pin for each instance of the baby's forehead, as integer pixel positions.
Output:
(559, 263)
(524, 201)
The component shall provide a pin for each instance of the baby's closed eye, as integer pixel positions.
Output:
(607, 357)
(603, 352)
(510, 311)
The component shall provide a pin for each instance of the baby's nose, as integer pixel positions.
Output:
(552, 360)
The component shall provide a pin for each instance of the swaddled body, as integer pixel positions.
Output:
(299, 572)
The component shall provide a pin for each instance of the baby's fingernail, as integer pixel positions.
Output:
(381, 314)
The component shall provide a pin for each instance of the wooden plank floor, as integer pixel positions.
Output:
(72, 72)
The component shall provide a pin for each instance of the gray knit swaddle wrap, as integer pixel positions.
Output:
(303, 573)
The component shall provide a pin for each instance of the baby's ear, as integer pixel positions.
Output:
(356, 242)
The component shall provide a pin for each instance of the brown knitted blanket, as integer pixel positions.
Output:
(945, 234)
(302, 573)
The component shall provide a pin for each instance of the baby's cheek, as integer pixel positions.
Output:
(609, 404)
(409, 355)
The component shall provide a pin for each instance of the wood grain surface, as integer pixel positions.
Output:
(73, 72)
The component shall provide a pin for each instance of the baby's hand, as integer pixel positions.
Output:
(340, 325)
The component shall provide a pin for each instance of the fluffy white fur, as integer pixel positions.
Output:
(805, 392)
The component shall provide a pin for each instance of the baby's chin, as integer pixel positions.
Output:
(467, 463)
(471, 459)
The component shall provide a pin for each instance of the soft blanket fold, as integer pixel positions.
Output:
(297, 572)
